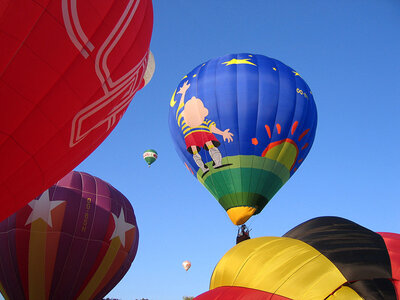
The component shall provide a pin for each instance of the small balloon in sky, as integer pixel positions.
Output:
(186, 265)
(150, 156)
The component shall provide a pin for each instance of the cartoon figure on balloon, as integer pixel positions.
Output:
(199, 131)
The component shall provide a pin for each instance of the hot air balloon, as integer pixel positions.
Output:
(68, 71)
(186, 265)
(150, 156)
(75, 241)
(242, 124)
(323, 258)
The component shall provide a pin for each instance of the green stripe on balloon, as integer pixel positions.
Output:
(254, 180)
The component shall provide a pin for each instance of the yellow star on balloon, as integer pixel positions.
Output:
(235, 61)
(296, 74)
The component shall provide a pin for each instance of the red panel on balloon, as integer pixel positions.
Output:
(68, 71)
(238, 293)
(392, 241)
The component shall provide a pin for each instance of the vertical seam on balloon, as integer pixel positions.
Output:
(119, 274)
(299, 268)
(72, 287)
(252, 253)
(109, 196)
(312, 134)
(75, 287)
(256, 125)
(48, 291)
(24, 291)
(62, 271)
(291, 122)
(17, 273)
(26, 37)
(299, 128)
(302, 154)
(72, 236)
(238, 197)
(233, 199)
(206, 152)
(231, 196)
(217, 61)
(276, 112)
(267, 184)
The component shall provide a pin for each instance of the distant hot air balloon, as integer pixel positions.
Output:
(150, 156)
(242, 124)
(186, 265)
(68, 71)
(75, 241)
(323, 258)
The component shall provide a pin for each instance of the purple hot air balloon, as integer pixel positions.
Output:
(75, 241)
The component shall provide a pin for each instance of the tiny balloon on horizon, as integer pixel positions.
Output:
(186, 265)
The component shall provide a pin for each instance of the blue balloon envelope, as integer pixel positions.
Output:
(243, 124)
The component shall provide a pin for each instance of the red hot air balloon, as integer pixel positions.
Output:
(68, 71)
(75, 241)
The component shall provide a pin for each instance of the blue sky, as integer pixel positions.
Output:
(348, 53)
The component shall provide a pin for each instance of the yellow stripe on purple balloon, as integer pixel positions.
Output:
(119, 259)
(37, 260)
(101, 272)
(52, 240)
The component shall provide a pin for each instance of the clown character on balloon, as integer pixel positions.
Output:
(199, 131)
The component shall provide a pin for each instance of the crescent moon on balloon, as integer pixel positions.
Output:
(172, 102)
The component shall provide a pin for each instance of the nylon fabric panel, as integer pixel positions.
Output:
(238, 293)
(376, 289)
(345, 293)
(68, 71)
(283, 266)
(358, 252)
(392, 241)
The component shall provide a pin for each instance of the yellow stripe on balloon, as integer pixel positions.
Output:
(3, 292)
(285, 266)
(102, 270)
(37, 260)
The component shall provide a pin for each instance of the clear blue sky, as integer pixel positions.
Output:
(348, 53)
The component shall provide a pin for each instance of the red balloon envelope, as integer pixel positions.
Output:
(75, 241)
(68, 71)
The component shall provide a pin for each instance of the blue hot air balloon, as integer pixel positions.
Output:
(243, 124)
